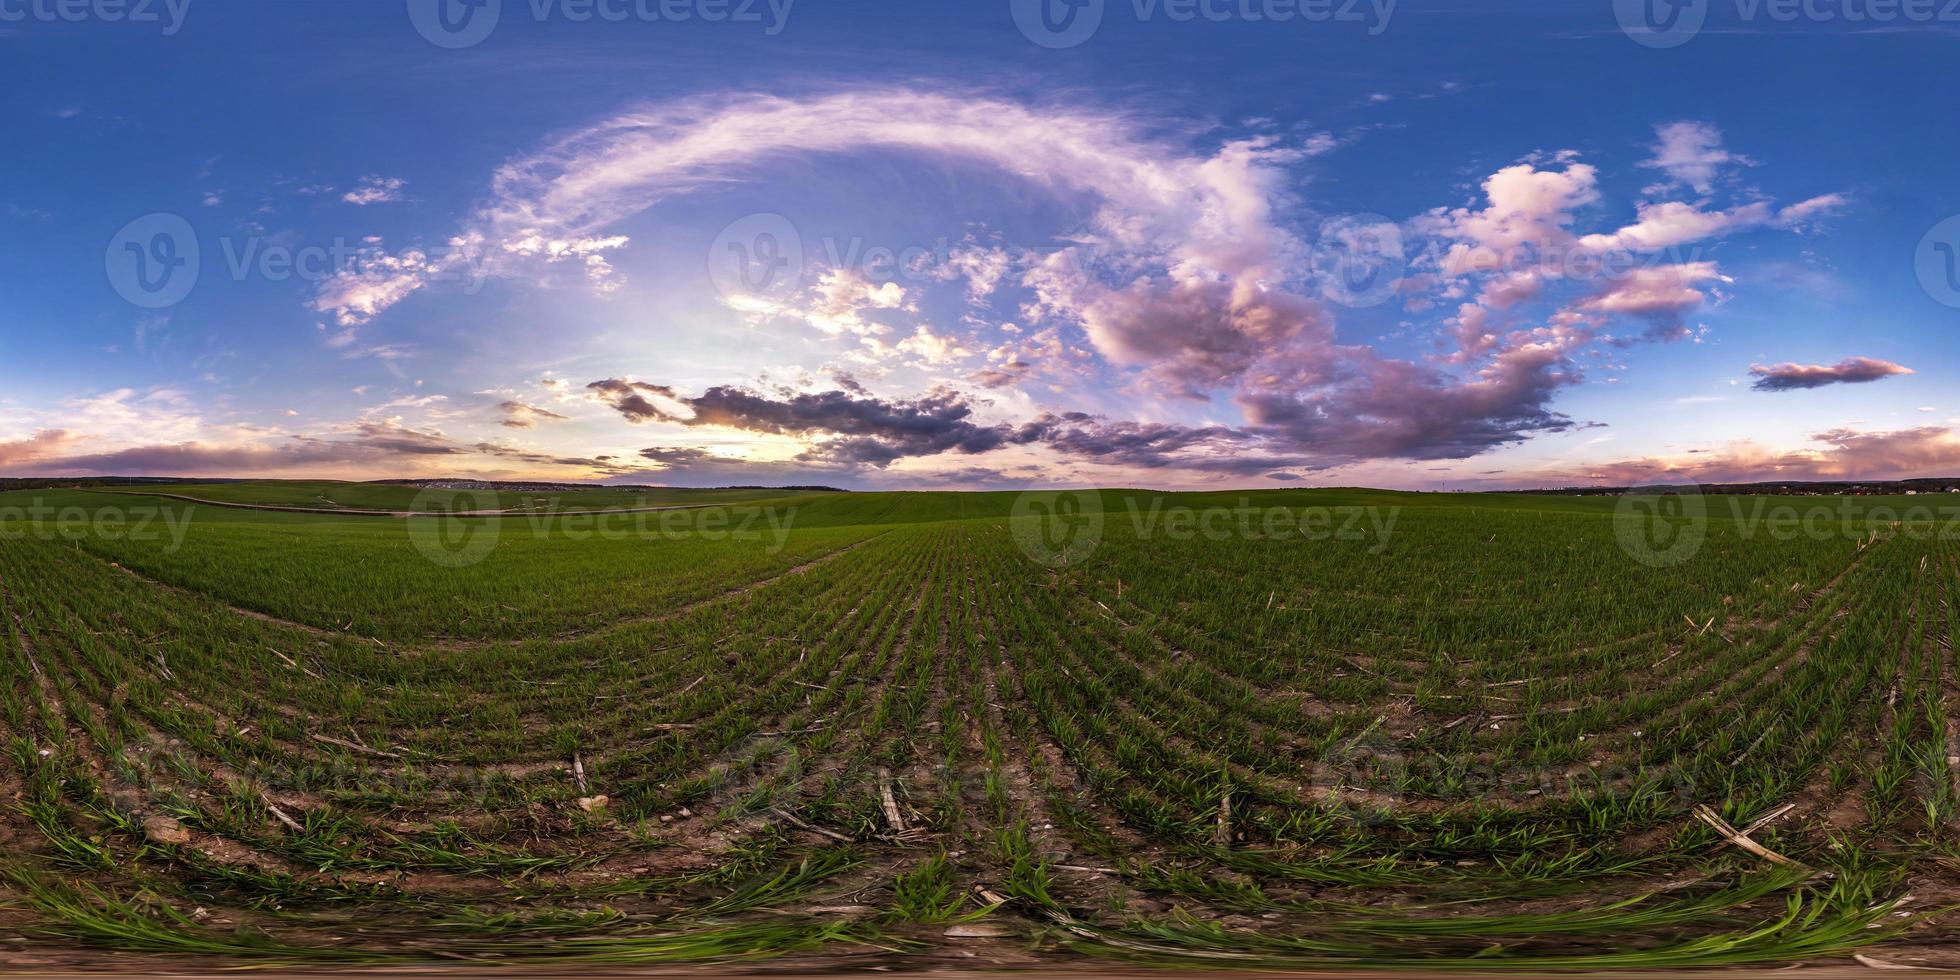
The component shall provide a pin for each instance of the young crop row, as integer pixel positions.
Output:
(1253, 751)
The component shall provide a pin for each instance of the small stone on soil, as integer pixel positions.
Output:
(165, 830)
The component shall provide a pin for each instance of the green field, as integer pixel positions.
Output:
(379, 496)
(1315, 729)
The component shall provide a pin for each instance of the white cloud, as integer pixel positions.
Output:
(375, 189)
(1659, 290)
(1691, 153)
(376, 282)
(1676, 223)
(1527, 208)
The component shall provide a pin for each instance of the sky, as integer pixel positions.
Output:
(1424, 244)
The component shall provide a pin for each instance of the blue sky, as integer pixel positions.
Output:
(1256, 243)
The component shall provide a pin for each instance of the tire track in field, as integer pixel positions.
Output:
(816, 736)
(1815, 794)
(448, 645)
(437, 767)
(743, 752)
(665, 615)
(780, 673)
(1795, 651)
(1739, 687)
(134, 800)
(306, 753)
(162, 752)
(703, 663)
